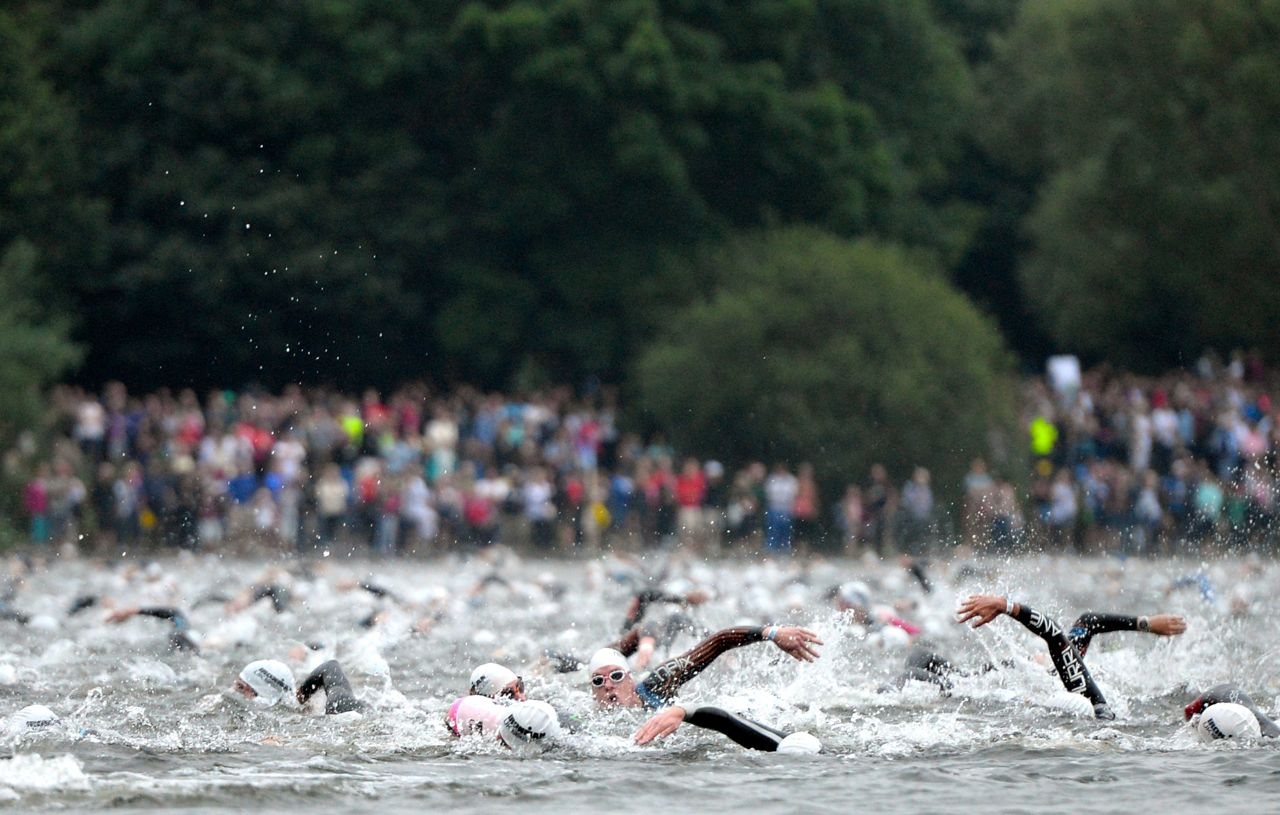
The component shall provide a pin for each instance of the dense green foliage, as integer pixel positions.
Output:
(1154, 124)
(42, 219)
(365, 191)
(849, 353)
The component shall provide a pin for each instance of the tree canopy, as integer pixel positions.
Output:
(850, 353)
(1153, 126)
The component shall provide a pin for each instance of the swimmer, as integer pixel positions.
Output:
(1064, 653)
(613, 685)
(1212, 724)
(179, 638)
(498, 682)
(268, 682)
(854, 599)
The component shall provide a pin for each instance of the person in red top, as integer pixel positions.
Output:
(36, 500)
(805, 514)
(691, 490)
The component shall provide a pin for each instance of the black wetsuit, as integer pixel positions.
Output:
(925, 665)
(279, 596)
(746, 732)
(660, 686)
(1230, 692)
(179, 640)
(338, 696)
(1066, 658)
(1092, 622)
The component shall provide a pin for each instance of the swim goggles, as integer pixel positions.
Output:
(614, 676)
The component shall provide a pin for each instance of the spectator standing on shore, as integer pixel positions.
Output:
(36, 501)
(807, 507)
(781, 488)
(690, 491)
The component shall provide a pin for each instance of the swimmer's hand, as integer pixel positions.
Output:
(1166, 625)
(797, 642)
(982, 607)
(663, 724)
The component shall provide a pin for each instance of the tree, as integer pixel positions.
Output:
(1154, 125)
(45, 224)
(843, 353)
(34, 349)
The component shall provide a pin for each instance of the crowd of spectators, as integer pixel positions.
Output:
(1115, 463)
(415, 472)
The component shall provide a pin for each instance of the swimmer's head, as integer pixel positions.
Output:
(265, 681)
(33, 717)
(474, 714)
(530, 727)
(497, 681)
(612, 684)
(854, 596)
(1227, 720)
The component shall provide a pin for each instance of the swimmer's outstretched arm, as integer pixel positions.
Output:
(1231, 693)
(642, 600)
(744, 731)
(667, 678)
(1066, 659)
(339, 698)
(1092, 622)
(159, 612)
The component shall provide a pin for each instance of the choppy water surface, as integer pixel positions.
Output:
(143, 729)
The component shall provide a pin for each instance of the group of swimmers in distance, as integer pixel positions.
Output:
(496, 706)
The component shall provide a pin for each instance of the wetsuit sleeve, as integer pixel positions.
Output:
(917, 571)
(339, 698)
(665, 680)
(1066, 659)
(750, 734)
(563, 662)
(178, 619)
(380, 591)
(1231, 693)
(924, 665)
(630, 641)
(279, 596)
(1091, 622)
(14, 616)
(642, 602)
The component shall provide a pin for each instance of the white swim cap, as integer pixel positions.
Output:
(1227, 720)
(490, 678)
(270, 679)
(800, 744)
(474, 714)
(529, 727)
(33, 717)
(855, 593)
(607, 658)
(43, 622)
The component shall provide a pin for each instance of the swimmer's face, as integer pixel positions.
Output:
(241, 687)
(612, 690)
(513, 690)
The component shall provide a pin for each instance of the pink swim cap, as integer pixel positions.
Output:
(474, 714)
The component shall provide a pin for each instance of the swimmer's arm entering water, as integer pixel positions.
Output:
(339, 698)
(1071, 669)
(178, 619)
(744, 731)
(667, 678)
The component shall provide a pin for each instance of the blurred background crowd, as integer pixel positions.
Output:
(1113, 462)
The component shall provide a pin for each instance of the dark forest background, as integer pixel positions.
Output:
(835, 205)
